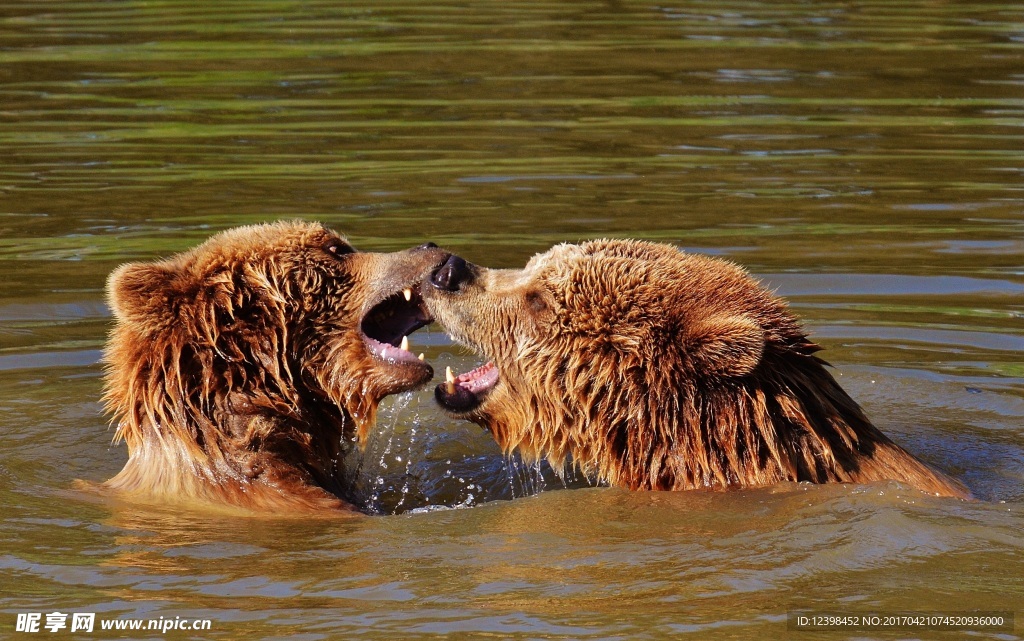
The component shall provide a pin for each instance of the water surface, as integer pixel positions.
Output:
(864, 159)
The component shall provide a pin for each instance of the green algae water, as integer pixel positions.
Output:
(866, 160)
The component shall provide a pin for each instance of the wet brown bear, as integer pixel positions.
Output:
(235, 370)
(651, 368)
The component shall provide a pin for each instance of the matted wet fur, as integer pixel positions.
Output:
(236, 369)
(651, 368)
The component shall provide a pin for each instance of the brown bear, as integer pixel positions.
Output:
(651, 368)
(235, 370)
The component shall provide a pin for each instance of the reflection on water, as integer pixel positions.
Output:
(864, 159)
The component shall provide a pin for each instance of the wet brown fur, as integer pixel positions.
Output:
(655, 369)
(235, 370)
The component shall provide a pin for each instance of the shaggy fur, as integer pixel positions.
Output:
(235, 370)
(655, 369)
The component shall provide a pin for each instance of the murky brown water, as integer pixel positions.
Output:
(865, 158)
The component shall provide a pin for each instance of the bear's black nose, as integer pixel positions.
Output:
(451, 275)
(428, 246)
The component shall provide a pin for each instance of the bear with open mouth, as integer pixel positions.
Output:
(236, 370)
(650, 368)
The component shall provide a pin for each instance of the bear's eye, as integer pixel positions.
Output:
(536, 301)
(335, 247)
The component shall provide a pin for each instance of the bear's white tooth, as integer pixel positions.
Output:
(421, 356)
(407, 292)
(405, 343)
(449, 378)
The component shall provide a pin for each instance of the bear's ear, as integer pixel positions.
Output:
(725, 345)
(138, 292)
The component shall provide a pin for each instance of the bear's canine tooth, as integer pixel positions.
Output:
(421, 356)
(405, 343)
(407, 292)
(449, 378)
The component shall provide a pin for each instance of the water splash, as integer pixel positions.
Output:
(407, 476)
(370, 467)
(528, 478)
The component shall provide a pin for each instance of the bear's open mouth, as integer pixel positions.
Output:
(386, 327)
(466, 392)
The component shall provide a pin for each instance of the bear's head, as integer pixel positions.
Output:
(651, 368)
(589, 342)
(262, 336)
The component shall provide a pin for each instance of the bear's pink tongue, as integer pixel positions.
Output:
(479, 379)
(464, 393)
(391, 353)
(476, 381)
